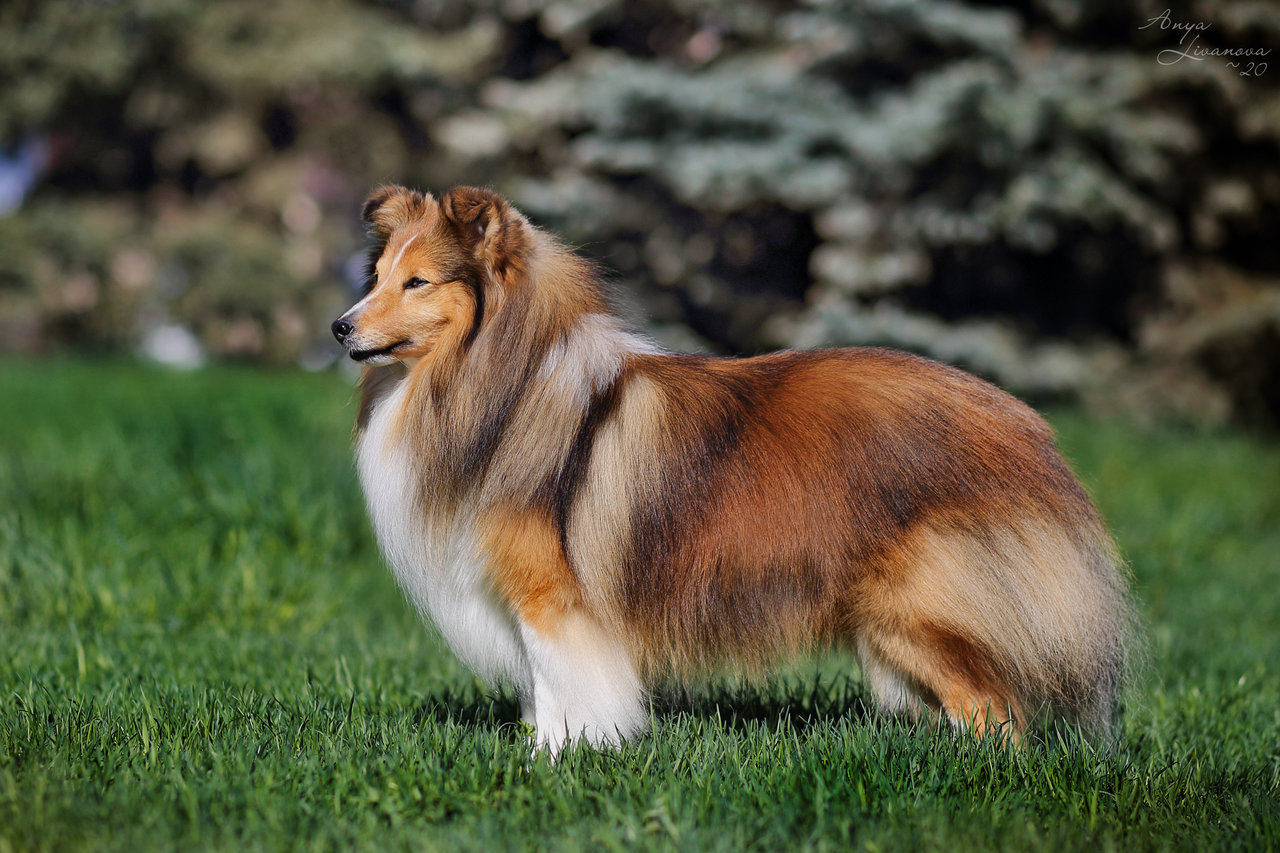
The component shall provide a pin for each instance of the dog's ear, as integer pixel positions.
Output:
(390, 207)
(494, 231)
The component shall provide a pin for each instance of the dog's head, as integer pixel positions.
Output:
(433, 266)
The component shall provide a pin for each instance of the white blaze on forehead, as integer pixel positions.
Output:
(355, 309)
(400, 254)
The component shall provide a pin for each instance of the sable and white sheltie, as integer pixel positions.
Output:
(583, 515)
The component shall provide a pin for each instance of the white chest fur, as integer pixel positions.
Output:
(435, 561)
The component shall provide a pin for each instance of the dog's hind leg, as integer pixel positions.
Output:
(930, 668)
(891, 689)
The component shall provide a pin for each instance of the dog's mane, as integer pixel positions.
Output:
(497, 389)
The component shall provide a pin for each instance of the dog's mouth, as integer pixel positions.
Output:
(366, 354)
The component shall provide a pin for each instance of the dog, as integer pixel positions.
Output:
(584, 516)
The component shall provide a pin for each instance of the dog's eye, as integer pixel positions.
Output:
(415, 282)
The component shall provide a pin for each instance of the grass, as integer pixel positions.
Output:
(200, 649)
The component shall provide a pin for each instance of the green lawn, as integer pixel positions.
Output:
(200, 648)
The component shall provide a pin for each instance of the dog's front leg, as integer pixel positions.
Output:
(584, 684)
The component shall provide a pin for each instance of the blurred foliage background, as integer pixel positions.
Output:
(1062, 195)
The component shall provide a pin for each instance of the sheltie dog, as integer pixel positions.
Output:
(583, 515)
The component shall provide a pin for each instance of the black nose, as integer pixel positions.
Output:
(341, 328)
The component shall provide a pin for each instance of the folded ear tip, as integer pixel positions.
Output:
(392, 205)
(377, 200)
(464, 205)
